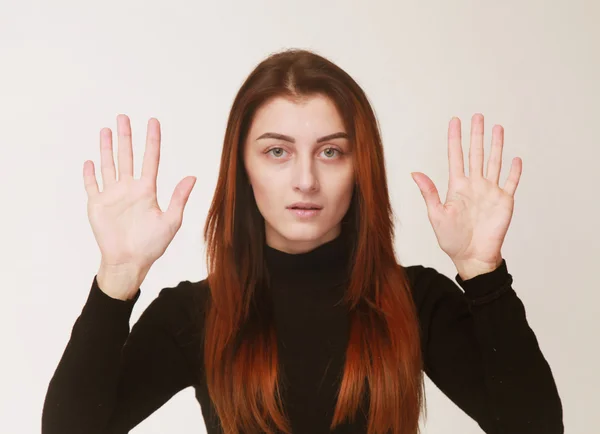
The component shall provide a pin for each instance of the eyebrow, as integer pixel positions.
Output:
(340, 135)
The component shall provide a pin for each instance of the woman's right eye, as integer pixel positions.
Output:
(279, 152)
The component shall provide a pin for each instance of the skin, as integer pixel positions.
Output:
(472, 223)
(133, 232)
(284, 171)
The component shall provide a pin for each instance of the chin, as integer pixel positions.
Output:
(302, 233)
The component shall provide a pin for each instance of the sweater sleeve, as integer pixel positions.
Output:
(480, 351)
(108, 379)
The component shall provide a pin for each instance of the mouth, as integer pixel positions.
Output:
(304, 210)
(305, 206)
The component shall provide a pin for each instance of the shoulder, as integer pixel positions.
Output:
(185, 294)
(428, 286)
(421, 277)
(179, 308)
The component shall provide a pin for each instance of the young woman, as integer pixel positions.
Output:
(306, 322)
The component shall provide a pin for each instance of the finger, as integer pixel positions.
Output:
(455, 152)
(125, 147)
(494, 164)
(428, 191)
(152, 152)
(512, 182)
(107, 162)
(179, 199)
(89, 179)
(476, 147)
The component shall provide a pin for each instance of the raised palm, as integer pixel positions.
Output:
(127, 222)
(472, 224)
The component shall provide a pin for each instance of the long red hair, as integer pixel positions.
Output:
(240, 347)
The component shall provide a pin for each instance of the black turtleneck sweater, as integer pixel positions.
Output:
(477, 345)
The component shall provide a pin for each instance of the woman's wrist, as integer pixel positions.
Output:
(120, 282)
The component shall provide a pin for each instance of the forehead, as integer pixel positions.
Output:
(309, 117)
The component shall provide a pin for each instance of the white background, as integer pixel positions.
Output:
(69, 67)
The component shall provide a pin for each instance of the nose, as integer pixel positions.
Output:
(305, 178)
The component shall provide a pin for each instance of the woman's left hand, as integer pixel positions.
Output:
(470, 227)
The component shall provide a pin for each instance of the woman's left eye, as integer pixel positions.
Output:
(332, 151)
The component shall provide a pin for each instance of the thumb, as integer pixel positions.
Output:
(428, 190)
(181, 194)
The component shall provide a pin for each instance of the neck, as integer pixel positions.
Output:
(315, 270)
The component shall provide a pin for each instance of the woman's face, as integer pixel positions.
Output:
(289, 159)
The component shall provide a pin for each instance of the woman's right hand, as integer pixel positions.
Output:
(129, 226)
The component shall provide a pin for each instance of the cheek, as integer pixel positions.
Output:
(258, 183)
(266, 194)
(343, 187)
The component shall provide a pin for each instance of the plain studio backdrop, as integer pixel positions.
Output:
(69, 67)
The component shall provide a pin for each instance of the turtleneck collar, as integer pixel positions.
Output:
(318, 269)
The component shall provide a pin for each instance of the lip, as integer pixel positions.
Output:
(305, 205)
(305, 213)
